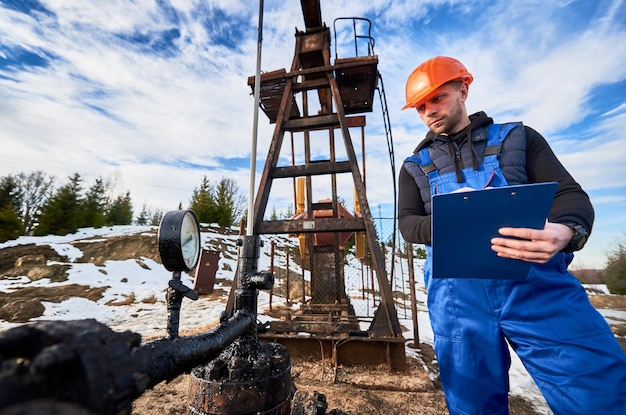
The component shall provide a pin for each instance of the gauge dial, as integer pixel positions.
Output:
(179, 240)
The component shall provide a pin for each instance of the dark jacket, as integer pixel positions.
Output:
(571, 203)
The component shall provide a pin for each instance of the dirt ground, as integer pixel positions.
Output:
(362, 390)
(348, 390)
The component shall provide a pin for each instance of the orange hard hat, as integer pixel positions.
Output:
(430, 75)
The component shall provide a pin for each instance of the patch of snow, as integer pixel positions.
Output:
(147, 314)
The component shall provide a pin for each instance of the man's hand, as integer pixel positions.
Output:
(532, 245)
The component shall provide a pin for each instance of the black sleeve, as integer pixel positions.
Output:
(413, 221)
(571, 203)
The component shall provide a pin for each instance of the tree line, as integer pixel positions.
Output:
(33, 204)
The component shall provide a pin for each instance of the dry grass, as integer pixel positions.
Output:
(128, 300)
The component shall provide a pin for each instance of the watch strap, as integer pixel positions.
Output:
(579, 238)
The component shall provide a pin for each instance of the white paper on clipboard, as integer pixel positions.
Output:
(464, 223)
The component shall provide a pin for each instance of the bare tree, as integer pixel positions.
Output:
(36, 187)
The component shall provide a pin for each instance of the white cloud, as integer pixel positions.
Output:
(108, 105)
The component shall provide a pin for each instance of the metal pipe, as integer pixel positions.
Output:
(255, 124)
(165, 359)
(409, 257)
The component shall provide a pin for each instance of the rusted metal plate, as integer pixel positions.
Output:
(312, 46)
(206, 271)
(344, 349)
(328, 238)
(271, 94)
(357, 83)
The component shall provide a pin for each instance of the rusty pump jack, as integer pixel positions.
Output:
(343, 88)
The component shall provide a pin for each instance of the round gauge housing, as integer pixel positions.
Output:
(179, 240)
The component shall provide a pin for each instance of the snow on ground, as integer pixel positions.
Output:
(147, 315)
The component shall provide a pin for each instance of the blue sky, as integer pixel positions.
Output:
(153, 95)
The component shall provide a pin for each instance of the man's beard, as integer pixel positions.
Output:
(450, 122)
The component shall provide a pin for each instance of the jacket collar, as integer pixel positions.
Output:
(477, 120)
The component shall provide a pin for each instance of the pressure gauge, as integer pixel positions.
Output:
(179, 240)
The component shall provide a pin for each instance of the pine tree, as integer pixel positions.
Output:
(155, 218)
(11, 193)
(10, 223)
(94, 205)
(120, 211)
(62, 213)
(10, 201)
(144, 216)
(204, 203)
(274, 215)
(225, 202)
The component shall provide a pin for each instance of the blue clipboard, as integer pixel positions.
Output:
(464, 223)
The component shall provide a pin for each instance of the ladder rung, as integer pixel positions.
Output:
(314, 169)
(310, 226)
(312, 123)
(312, 84)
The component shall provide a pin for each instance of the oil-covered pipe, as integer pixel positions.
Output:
(165, 359)
(84, 362)
(249, 280)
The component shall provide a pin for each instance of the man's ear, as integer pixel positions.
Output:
(464, 91)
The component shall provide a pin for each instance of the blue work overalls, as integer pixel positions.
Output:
(564, 343)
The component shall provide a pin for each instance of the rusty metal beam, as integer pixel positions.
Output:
(312, 123)
(317, 168)
(310, 226)
(312, 13)
(391, 316)
(273, 154)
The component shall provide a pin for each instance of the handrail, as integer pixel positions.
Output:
(370, 39)
(392, 161)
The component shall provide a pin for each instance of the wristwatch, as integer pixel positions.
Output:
(578, 239)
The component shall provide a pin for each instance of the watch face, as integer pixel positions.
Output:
(189, 240)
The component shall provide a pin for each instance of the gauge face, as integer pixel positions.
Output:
(190, 240)
(179, 240)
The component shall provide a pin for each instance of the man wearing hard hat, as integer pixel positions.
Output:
(547, 319)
